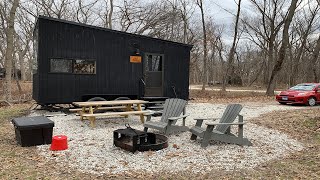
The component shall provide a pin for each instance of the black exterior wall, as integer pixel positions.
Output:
(115, 75)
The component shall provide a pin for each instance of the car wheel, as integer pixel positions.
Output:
(311, 101)
(283, 103)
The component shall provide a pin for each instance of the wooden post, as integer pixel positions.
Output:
(128, 108)
(81, 112)
(141, 115)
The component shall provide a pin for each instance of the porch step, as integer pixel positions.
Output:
(154, 98)
(154, 103)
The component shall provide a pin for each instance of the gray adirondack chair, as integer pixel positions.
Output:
(221, 131)
(172, 110)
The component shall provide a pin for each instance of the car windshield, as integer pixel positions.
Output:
(303, 87)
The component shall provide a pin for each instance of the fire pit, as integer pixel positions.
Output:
(132, 140)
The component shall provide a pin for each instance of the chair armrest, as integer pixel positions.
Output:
(155, 107)
(200, 121)
(176, 118)
(213, 124)
(206, 119)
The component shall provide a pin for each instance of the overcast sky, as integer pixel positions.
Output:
(220, 11)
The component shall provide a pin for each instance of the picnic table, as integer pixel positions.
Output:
(89, 109)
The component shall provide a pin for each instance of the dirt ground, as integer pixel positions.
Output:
(303, 124)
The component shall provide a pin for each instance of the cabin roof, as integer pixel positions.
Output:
(111, 30)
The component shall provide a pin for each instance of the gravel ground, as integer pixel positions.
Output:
(92, 151)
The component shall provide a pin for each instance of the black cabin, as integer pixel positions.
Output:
(76, 62)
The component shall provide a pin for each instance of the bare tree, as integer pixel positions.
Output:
(85, 12)
(303, 28)
(205, 52)
(264, 28)
(23, 40)
(282, 52)
(10, 47)
(184, 16)
(314, 58)
(232, 49)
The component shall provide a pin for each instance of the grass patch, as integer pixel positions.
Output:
(11, 112)
(24, 162)
(229, 96)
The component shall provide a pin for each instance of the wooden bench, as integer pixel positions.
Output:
(100, 108)
(92, 117)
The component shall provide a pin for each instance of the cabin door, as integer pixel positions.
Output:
(153, 74)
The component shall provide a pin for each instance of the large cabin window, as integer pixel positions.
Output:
(84, 66)
(61, 65)
(72, 66)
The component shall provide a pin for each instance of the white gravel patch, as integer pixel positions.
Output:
(91, 150)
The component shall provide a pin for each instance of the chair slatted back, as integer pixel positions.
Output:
(173, 108)
(229, 115)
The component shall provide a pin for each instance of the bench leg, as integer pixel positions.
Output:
(128, 108)
(141, 115)
(92, 121)
(81, 112)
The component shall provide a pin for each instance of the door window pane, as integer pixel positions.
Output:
(154, 63)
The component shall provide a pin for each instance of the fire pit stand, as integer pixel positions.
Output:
(132, 140)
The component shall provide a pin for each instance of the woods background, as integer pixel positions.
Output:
(270, 42)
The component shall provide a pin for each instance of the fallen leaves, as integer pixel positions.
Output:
(175, 146)
(123, 162)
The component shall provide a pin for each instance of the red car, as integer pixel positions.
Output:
(306, 93)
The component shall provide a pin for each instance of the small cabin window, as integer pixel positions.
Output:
(84, 66)
(61, 65)
(154, 62)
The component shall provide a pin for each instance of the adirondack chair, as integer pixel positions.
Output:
(172, 110)
(221, 131)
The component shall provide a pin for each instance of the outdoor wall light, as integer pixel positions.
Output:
(137, 51)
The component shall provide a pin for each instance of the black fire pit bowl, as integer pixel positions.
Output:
(133, 140)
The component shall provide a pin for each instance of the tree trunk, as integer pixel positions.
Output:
(283, 48)
(270, 53)
(21, 54)
(232, 51)
(110, 14)
(30, 69)
(315, 56)
(204, 73)
(15, 70)
(185, 21)
(10, 50)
